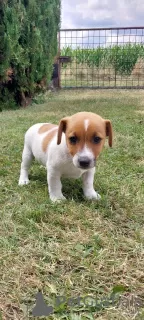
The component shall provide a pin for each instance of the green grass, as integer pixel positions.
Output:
(79, 247)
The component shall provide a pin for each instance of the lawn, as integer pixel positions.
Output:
(78, 247)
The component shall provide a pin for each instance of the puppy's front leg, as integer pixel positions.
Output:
(54, 184)
(88, 189)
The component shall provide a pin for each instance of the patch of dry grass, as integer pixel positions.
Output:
(81, 71)
(138, 69)
(141, 162)
(79, 247)
(81, 74)
(140, 111)
(85, 94)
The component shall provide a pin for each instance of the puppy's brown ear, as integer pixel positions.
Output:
(61, 129)
(109, 132)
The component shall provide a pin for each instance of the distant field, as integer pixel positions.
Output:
(115, 66)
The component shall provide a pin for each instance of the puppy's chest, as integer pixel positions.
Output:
(60, 159)
(68, 170)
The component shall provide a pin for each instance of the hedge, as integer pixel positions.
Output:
(28, 45)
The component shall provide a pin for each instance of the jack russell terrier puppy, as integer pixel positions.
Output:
(70, 150)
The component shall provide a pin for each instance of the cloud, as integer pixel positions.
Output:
(103, 38)
(102, 13)
(124, 39)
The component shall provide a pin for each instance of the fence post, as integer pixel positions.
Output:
(59, 65)
(116, 59)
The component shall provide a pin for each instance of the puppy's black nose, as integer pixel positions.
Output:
(84, 162)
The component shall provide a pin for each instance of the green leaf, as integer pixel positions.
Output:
(119, 288)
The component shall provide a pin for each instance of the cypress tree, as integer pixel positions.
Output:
(28, 44)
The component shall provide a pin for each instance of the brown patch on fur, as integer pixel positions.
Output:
(46, 127)
(109, 132)
(48, 138)
(96, 129)
(62, 128)
(74, 126)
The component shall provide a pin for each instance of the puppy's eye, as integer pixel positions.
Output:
(96, 140)
(73, 140)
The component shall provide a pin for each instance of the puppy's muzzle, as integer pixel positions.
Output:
(84, 162)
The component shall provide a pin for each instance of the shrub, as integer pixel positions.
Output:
(28, 37)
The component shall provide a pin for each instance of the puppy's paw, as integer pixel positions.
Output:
(23, 182)
(92, 195)
(57, 198)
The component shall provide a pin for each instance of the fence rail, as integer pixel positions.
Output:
(102, 58)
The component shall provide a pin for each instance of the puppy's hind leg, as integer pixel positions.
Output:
(27, 158)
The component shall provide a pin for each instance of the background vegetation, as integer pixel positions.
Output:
(121, 58)
(28, 44)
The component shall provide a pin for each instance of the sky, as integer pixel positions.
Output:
(101, 14)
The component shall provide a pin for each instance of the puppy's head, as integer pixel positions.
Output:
(85, 137)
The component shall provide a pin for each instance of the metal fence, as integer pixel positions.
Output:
(102, 58)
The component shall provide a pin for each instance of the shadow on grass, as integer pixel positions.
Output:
(40, 177)
(72, 190)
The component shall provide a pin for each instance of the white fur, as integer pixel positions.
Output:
(86, 124)
(58, 162)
